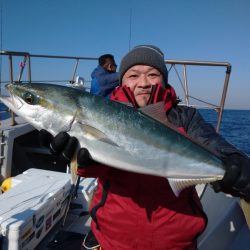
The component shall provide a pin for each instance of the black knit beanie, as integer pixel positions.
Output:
(144, 55)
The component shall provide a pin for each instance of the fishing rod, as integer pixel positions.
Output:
(130, 29)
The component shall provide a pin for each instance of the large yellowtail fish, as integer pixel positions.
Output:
(116, 134)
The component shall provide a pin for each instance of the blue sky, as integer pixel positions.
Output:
(214, 30)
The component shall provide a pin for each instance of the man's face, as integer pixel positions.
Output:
(110, 65)
(140, 79)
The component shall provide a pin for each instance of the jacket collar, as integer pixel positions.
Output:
(158, 94)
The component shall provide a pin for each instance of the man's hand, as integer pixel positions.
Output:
(83, 158)
(62, 145)
(236, 180)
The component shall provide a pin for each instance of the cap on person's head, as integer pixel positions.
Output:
(144, 55)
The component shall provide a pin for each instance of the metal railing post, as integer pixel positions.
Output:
(13, 122)
(29, 68)
(223, 97)
(10, 68)
(185, 84)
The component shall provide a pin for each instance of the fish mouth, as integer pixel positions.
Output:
(7, 101)
(11, 102)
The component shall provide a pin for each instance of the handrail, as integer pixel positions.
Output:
(219, 108)
(199, 63)
(18, 53)
(27, 59)
(28, 56)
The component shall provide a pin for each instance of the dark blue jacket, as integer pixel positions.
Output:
(103, 82)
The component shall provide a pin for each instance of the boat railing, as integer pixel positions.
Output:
(184, 82)
(172, 65)
(27, 61)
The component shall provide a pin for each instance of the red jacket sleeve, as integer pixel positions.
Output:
(93, 170)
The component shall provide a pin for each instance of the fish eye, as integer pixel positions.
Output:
(30, 98)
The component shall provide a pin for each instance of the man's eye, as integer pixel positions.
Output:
(153, 75)
(132, 76)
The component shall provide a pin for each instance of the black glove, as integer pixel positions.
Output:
(236, 180)
(62, 145)
(83, 158)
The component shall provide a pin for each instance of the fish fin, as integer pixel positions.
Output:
(96, 134)
(68, 126)
(156, 111)
(73, 168)
(178, 184)
(246, 211)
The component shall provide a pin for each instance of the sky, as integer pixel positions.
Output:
(214, 30)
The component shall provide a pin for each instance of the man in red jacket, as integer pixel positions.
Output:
(136, 211)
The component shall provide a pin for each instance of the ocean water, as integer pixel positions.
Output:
(3, 114)
(235, 126)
